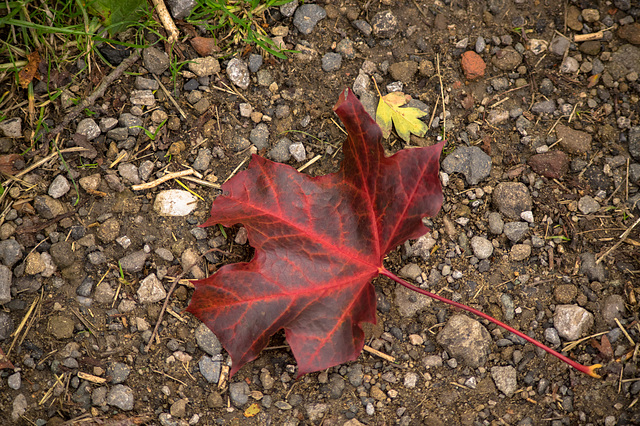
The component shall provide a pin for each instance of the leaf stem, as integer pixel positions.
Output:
(587, 370)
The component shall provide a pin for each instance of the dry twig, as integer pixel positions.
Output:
(166, 20)
(164, 308)
(99, 92)
(378, 353)
(161, 180)
(623, 237)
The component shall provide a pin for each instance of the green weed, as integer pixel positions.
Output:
(152, 135)
(241, 20)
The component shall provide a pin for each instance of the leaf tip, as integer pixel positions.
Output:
(591, 370)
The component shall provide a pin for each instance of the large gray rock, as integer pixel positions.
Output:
(180, 9)
(239, 393)
(466, 339)
(207, 341)
(471, 161)
(10, 252)
(121, 396)
(307, 16)
(155, 60)
(623, 61)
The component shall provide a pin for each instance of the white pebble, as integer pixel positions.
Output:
(527, 216)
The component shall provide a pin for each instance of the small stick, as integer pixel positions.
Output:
(627, 182)
(201, 182)
(435, 108)
(509, 91)
(41, 162)
(555, 143)
(99, 92)
(171, 98)
(119, 159)
(176, 316)
(378, 353)
(624, 331)
(573, 112)
(171, 377)
(338, 126)
(597, 155)
(230, 90)
(587, 37)
(91, 377)
(623, 237)
(310, 162)
(499, 102)
(161, 180)
(570, 346)
(444, 108)
(166, 20)
(17, 332)
(164, 308)
(236, 170)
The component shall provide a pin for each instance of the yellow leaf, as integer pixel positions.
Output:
(406, 120)
(252, 410)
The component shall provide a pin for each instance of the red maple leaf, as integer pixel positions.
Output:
(319, 241)
(318, 244)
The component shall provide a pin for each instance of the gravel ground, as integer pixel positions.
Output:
(541, 175)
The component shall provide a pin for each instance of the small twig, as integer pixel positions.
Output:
(90, 377)
(119, 159)
(201, 182)
(40, 226)
(435, 108)
(231, 90)
(623, 237)
(236, 170)
(41, 162)
(166, 20)
(161, 180)
(571, 345)
(164, 308)
(171, 377)
(509, 91)
(171, 98)
(627, 182)
(573, 111)
(587, 37)
(597, 155)
(310, 162)
(624, 331)
(499, 102)
(338, 126)
(382, 355)
(99, 92)
(444, 108)
(17, 332)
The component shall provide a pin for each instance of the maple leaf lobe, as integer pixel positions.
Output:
(319, 241)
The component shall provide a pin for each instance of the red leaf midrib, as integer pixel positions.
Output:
(372, 212)
(407, 204)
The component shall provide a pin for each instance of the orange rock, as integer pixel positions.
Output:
(473, 65)
(204, 46)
